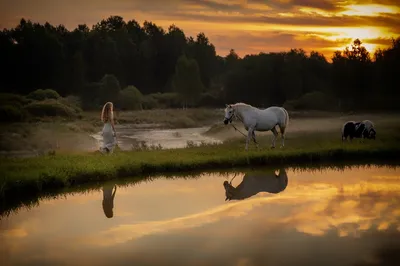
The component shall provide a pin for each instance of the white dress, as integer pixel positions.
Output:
(108, 138)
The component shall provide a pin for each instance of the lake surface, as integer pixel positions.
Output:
(329, 217)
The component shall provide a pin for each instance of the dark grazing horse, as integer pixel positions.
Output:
(364, 129)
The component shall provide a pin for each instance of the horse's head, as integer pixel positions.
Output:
(229, 113)
(229, 190)
(372, 133)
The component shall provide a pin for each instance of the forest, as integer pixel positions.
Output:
(145, 67)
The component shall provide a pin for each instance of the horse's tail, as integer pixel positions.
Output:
(286, 123)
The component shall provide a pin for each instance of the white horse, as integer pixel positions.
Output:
(256, 182)
(255, 119)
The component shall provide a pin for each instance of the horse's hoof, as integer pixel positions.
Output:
(272, 147)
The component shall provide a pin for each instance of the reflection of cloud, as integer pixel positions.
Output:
(123, 233)
(321, 209)
(15, 233)
(351, 209)
(336, 213)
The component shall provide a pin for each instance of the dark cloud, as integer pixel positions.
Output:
(276, 41)
(299, 20)
(376, 2)
(326, 5)
(321, 4)
(379, 41)
(216, 5)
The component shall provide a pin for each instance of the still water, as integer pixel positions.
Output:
(328, 217)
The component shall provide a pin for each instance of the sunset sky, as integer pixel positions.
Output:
(248, 26)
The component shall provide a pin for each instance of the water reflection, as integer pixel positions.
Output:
(384, 256)
(108, 199)
(331, 217)
(255, 182)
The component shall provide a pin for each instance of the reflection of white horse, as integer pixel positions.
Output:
(255, 119)
(254, 183)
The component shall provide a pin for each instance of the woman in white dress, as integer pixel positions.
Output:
(108, 133)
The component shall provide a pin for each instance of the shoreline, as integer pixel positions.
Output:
(25, 198)
(45, 173)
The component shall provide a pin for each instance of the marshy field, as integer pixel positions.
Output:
(166, 177)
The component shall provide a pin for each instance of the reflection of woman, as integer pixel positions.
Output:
(108, 133)
(108, 200)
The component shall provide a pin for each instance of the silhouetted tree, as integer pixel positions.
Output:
(187, 80)
(94, 63)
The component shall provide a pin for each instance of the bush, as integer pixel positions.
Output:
(148, 102)
(11, 113)
(88, 96)
(72, 101)
(130, 98)
(210, 100)
(167, 100)
(50, 107)
(13, 99)
(312, 101)
(109, 89)
(41, 95)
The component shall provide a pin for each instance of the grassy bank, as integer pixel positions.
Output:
(68, 170)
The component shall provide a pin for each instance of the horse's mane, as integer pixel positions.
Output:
(241, 105)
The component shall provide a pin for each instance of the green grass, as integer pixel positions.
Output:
(67, 170)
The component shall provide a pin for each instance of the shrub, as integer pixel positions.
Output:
(210, 100)
(88, 96)
(11, 113)
(13, 99)
(148, 102)
(50, 107)
(130, 98)
(167, 100)
(72, 101)
(41, 95)
(313, 100)
(109, 89)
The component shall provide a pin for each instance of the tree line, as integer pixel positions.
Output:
(126, 62)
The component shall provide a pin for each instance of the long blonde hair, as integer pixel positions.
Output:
(107, 114)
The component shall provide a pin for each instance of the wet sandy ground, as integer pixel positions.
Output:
(131, 135)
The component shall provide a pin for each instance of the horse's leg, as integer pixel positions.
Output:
(275, 136)
(282, 128)
(254, 138)
(249, 134)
